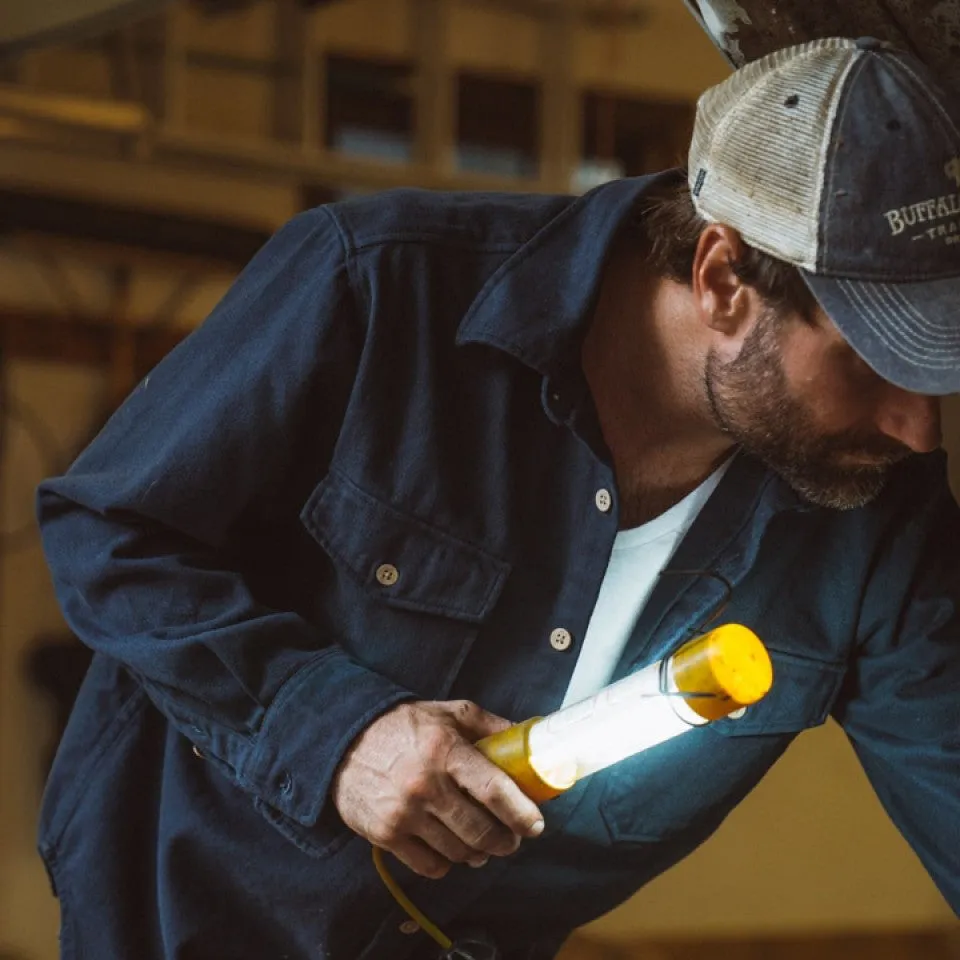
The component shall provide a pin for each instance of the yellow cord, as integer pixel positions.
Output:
(429, 928)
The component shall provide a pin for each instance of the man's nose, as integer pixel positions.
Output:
(911, 418)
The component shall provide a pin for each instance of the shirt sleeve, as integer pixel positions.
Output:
(137, 532)
(901, 708)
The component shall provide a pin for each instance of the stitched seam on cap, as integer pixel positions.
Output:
(922, 88)
(922, 333)
(854, 68)
(880, 312)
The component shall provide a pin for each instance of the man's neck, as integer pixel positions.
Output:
(637, 358)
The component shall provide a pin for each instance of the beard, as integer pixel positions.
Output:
(752, 403)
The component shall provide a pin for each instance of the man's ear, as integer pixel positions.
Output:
(726, 304)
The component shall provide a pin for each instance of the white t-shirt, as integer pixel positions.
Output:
(636, 560)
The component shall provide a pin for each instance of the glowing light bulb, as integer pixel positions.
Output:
(708, 678)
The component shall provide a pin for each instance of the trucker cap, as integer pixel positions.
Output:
(842, 157)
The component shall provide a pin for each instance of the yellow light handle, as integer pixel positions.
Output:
(510, 750)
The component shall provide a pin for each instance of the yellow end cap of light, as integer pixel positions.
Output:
(740, 663)
(510, 751)
(730, 665)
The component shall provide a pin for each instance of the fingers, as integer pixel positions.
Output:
(433, 851)
(446, 827)
(495, 791)
(419, 857)
(431, 806)
(477, 830)
(449, 845)
(485, 781)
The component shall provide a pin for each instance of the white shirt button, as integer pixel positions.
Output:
(409, 926)
(561, 639)
(387, 574)
(604, 500)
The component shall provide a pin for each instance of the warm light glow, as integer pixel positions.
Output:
(648, 707)
(621, 720)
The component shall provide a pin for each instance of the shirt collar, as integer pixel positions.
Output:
(537, 304)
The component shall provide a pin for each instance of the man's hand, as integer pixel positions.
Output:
(414, 784)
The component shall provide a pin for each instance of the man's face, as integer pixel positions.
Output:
(803, 403)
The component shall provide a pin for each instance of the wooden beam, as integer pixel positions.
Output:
(291, 45)
(101, 253)
(88, 220)
(273, 160)
(434, 85)
(560, 109)
(108, 116)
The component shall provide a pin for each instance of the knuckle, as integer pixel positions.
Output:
(437, 742)
(491, 837)
(504, 843)
(486, 839)
(419, 786)
(490, 789)
(464, 709)
(418, 863)
(460, 854)
(473, 828)
(429, 862)
(380, 835)
(393, 820)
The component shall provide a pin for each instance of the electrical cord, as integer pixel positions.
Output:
(409, 907)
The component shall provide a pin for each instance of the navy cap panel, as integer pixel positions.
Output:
(908, 333)
(891, 200)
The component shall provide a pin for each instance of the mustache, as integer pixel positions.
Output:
(885, 451)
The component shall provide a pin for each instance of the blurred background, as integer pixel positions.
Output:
(147, 152)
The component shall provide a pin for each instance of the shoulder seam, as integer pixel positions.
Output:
(437, 239)
(344, 239)
(349, 260)
(351, 247)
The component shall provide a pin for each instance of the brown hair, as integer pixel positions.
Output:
(670, 226)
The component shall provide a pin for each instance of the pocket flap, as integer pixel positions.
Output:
(802, 694)
(407, 563)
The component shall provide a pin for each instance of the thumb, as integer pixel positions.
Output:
(475, 723)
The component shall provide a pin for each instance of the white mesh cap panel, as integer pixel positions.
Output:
(764, 160)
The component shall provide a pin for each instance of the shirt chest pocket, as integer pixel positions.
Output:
(407, 598)
(692, 782)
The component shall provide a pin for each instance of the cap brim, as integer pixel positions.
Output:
(909, 333)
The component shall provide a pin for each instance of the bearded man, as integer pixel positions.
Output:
(439, 463)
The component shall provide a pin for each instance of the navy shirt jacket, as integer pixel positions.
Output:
(396, 380)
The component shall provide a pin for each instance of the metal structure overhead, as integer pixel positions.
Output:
(745, 30)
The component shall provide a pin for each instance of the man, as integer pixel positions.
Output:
(440, 463)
